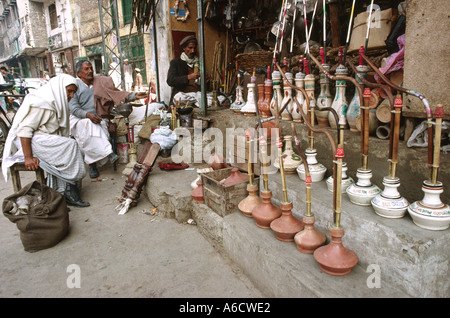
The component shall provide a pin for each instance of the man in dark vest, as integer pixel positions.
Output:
(183, 70)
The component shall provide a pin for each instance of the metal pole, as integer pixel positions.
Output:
(105, 56)
(155, 52)
(119, 47)
(201, 49)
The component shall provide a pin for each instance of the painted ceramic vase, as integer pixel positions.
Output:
(299, 82)
(346, 181)
(316, 169)
(265, 106)
(249, 108)
(340, 104)
(277, 97)
(239, 102)
(389, 203)
(355, 104)
(309, 88)
(363, 191)
(291, 160)
(287, 102)
(325, 99)
(430, 213)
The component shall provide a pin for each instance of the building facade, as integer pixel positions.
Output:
(52, 35)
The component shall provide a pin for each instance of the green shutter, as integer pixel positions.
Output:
(127, 11)
(133, 49)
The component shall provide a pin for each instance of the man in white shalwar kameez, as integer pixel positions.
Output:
(39, 137)
(89, 127)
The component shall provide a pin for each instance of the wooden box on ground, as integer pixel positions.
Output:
(240, 155)
(223, 199)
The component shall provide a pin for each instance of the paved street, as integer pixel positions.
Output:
(139, 254)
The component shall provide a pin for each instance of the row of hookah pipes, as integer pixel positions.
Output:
(333, 258)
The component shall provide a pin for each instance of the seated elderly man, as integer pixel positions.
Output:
(39, 137)
(90, 115)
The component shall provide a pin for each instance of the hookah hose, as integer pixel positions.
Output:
(418, 95)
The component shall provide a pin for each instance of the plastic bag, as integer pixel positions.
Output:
(165, 137)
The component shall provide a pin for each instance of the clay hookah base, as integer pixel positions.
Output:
(266, 212)
(247, 205)
(334, 258)
(309, 239)
(286, 226)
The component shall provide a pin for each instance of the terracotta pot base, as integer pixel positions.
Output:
(266, 212)
(309, 239)
(286, 226)
(247, 205)
(334, 258)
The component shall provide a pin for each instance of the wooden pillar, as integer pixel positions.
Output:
(335, 25)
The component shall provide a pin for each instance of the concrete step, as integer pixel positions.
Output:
(412, 262)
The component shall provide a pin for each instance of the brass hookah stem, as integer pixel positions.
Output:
(365, 117)
(263, 147)
(307, 173)
(397, 113)
(390, 98)
(425, 104)
(438, 114)
(250, 170)
(283, 177)
(337, 211)
(310, 110)
(365, 129)
(338, 179)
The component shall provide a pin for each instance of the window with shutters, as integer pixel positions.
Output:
(53, 16)
(127, 11)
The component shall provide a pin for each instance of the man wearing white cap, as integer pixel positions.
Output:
(128, 69)
(138, 81)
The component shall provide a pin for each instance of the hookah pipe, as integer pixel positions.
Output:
(292, 34)
(308, 123)
(310, 239)
(364, 123)
(305, 118)
(368, 27)
(425, 103)
(349, 29)
(334, 258)
(324, 31)
(390, 99)
(282, 31)
(283, 5)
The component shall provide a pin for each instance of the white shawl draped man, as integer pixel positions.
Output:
(90, 115)
(39, 137)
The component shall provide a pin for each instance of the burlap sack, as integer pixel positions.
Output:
(151, 122)
(45, 224)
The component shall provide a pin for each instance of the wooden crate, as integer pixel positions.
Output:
(223, 199)
(240, 155)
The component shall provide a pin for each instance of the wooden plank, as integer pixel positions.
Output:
(335, 25)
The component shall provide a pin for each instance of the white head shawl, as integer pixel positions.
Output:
(51, 96)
